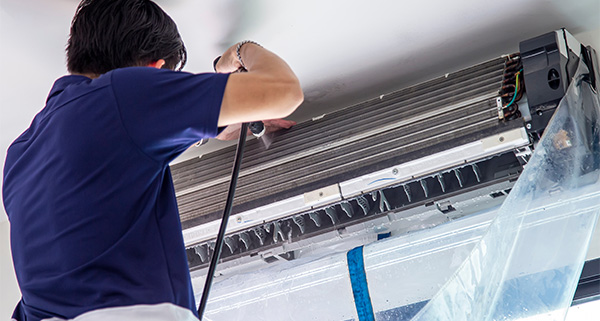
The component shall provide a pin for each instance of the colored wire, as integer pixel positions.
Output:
(516, 89)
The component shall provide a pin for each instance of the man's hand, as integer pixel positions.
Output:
(232, 132)
(229, 61)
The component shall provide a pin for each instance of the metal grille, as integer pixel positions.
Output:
(370, 206)
(398, 127)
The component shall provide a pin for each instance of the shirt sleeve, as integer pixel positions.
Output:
(165, 112)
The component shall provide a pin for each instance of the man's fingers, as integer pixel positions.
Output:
(232, 132)
(276, 124)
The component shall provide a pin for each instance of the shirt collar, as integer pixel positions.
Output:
(63, 82)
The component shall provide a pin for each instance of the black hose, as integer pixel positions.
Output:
(221, 236)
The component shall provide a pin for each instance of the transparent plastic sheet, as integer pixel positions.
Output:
(527, 265)
(285, 292)
(403, 271)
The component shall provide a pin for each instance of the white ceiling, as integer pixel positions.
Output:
(342, 51)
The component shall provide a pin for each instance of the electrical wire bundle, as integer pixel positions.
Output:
(513, 86)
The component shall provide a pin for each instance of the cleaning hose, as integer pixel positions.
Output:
(228, 205)
(258, 129)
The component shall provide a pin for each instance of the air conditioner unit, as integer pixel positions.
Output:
(433, 154)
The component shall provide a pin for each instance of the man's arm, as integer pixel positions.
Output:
(269, 89)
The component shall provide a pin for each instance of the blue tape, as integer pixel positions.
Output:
(382, 179)
(360, 288)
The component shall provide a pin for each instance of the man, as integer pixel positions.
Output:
(95, 230)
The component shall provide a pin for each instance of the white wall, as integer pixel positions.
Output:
(9, 291)
(591, 38)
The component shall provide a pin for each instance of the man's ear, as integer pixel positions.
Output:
(157, 64)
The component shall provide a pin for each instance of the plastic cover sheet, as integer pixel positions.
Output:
(403, 271)
(527, 265)
(314, 290)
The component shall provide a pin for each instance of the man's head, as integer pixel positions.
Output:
(111, 34)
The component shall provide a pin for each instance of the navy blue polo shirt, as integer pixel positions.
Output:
(89, 195)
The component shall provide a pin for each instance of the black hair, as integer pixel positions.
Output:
(111, 34)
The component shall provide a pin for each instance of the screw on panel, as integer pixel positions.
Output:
(314, 216)
(459, 177)
(347, 208)
(364, 204)
(407, 192)
(395, 171)
(528, 126)
(299, 220)
(332, 213)
(440, 179)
